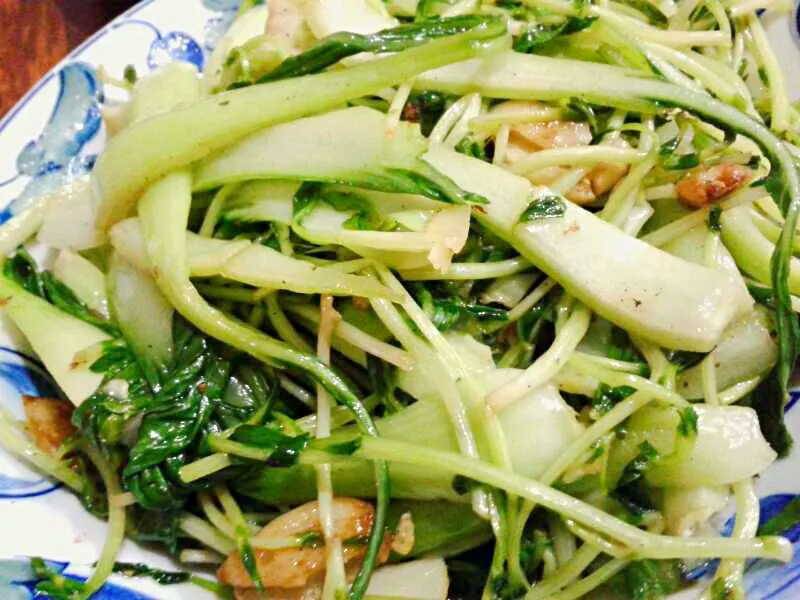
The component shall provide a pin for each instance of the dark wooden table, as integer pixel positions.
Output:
(36, 34)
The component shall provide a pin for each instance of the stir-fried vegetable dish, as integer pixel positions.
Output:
(427, 299)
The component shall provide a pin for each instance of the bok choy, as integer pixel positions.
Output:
(385, 285)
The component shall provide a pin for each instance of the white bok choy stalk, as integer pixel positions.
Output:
(170, 86)
(747, 350)
(751, 250)
(175, 139)
(84, 279)
(624, 280)
(421, 579)
(328, 17)
(69, 217)
(59, 340)
(248, 25)
(728, 446)
(140, 309)
(373, 160)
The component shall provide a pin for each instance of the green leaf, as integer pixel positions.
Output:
(768, 400)
(651, 11)
(605, 397)
(762, 294)
(636, 469)
(680, 162)
(668, 148)
(23, 270)
(129, 74)
(713, 219)
(647, 580)
(53, 585)
(538, 36)
(548, 206)
(486, 313)
(338, 46)
(426, 108)
(158, 575)
(519, 10)
(464, 485)
(365, 215)
(688, 423)
(305, 200)
(472, 148)
(285, 449)
(685, 359)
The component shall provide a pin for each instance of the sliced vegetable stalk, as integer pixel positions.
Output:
(173, 140)
(729, 446)
(628, 282)
(248, 25)
(142, 312)
(69, 217)
(747, 349)
(344, 42)
(310, 149)
(84, 279)
(357, 16)
(58, 339)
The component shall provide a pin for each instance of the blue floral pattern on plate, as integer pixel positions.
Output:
(168, 47)
(216, 27)
(764, 579)
(57, 156)
(18, 582)
(21, 375)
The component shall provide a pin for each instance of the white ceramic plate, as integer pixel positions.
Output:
(52, 135)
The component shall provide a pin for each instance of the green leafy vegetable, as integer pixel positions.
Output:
(606, 397)
(447, 312)
(53, 585)
(284, 449)
(548, 206)
(684, 359)
(424, 107)
(713, 219)
(688, 425)
(335, 47)
(158, 575)
(310, 194)
(635, 470)
(647, 580)
(201, 393)
(538, 36)
(768, 402)
(679, 162)
(24, 271)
